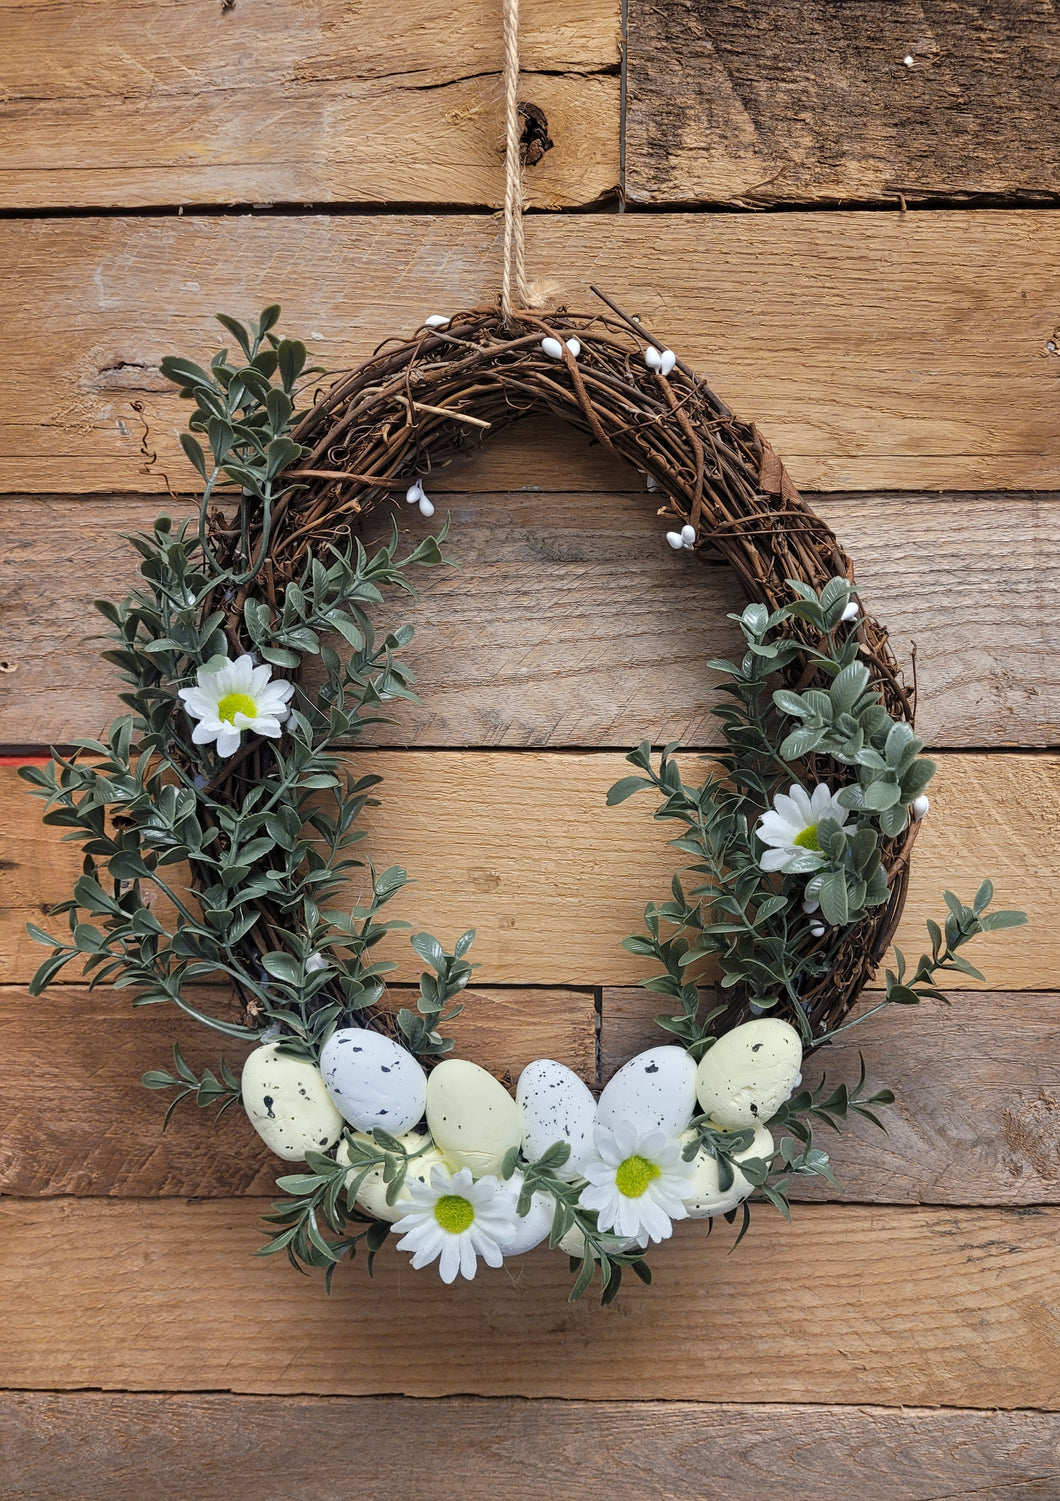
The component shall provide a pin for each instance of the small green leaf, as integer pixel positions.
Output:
(624, 789)
(193, 448)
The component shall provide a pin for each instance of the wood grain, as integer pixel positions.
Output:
(170, 104)
(877, 351)
(571, 624)
(977, 1114)
(180, 1447)
(75, 1119)
(977, 1119)
(751, 103)
(947, 1307)
(520, 845)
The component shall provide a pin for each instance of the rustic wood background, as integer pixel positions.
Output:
(891, 319)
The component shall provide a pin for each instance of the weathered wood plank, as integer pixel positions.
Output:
(947, 1307)
(75, 1119)
(976, 1119)
(170, 104)
(174, 1447)
(751, 103)
(880, 351)
(571, 623)
(521, 846)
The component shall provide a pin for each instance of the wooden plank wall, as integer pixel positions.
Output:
(893, 323)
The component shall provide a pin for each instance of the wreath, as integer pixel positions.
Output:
(219, 819)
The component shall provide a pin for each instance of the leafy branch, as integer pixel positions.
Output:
(963, 924)
(776, 934)
(207, 1091)
(604, 1253)
(451, 974)
(270, 834)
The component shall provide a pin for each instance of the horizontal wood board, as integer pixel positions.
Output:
(876, 351)
(841, 101)
(977, 1114)
(302, 103)
(570, 622)
(521, 846)
(182, 1448)
(976, 1118)
(846, 1304)
(75, 1118)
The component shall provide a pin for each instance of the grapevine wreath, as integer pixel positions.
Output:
(794, 850)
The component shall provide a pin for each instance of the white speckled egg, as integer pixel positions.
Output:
(372, 1193)
(373, 1080)
(287, 1104)
(703, 1198)
(749, 1073)
(473, 1118)
(534, 1226)
(654, 1090)
(556, 1106)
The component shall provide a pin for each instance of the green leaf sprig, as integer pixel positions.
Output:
(145, 800)
(750, 922)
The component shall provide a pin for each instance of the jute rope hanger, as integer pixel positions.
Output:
(513, 278)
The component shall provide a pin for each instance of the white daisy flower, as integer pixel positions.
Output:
(636, 1182)
(790, 828)
(238, 697)
(453, 1220)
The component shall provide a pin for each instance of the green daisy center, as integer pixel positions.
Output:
(807, 840)
(634, 1175)
(454, 1213)
(236, 703)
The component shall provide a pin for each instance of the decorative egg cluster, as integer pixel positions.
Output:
(625, 1162)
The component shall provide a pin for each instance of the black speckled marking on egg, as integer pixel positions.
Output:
(652, 1068)
(267, 1101)
(755, 1047)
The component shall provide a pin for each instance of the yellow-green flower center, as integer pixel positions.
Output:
(634, 1175)
(236, 703)
(807, 840)
(454, 1213)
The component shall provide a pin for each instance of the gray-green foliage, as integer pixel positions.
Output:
(604, 1252)
(327, 1193)
(145, 800)
(245, 411)
(209, 1090)
(752, 922)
